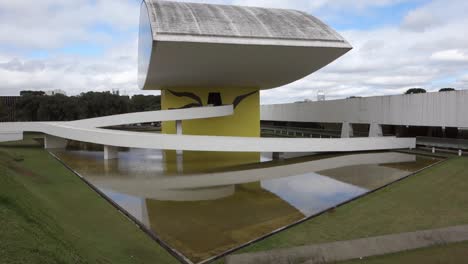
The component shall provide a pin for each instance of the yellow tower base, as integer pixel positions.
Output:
(245, 122)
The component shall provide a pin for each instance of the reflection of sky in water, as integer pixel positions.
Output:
(311, 193)
(132, 204)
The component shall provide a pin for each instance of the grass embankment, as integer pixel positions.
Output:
(434, 198)
(449, 254)
(48, 215)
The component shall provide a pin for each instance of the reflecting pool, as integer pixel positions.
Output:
(203, 204)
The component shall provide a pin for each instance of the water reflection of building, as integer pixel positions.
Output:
(152, 175)
(191, 162)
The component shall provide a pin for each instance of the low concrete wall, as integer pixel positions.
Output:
(10, 136)
(355, 249)
(444, 143)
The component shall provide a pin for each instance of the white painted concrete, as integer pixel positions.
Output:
(10, 136)
(155, 116)
(210, 143)
(179, 132)
(203, 45)
(375, 130)
(111, 153)
(347, 130)
(447, 109)
(53, 142)
(80, 131)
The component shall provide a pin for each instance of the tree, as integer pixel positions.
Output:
(33, 106)
(2, 110)
(54, 108)
(104, 104)
(141, 103)
(447, 90)
(37, 93)
(27, 106)
(416, 91)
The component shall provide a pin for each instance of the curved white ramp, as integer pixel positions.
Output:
(155, 116)
(86, 131)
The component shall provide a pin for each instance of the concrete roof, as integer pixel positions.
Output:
(239, 22)
(228, 47)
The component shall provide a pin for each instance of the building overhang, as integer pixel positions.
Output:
(198, 45)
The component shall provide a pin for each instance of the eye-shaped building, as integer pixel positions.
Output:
(204, 54)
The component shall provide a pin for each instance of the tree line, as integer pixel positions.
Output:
(36, 106)
(421, 90)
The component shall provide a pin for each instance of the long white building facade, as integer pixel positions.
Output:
(443, 109)
(431, 110)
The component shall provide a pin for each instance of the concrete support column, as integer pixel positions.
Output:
(347, 130)
(278, 155)
(51, 142)
(180, 162)
(179, 132)
(111, 153)
(375, 130)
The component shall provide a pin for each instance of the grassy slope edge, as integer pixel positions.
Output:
(48, 215)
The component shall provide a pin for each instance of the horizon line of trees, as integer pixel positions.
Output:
(422, 90)
(36, 106)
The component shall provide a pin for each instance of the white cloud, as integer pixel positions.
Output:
(435, 14)
(452, 55)
(462, 81)
(53, 23)
(114, 70)
(391, 59)
(428, 46)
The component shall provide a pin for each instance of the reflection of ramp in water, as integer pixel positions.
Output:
(218, 185)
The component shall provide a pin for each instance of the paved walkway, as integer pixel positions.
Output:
(355, 249)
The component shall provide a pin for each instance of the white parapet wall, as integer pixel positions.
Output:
(211, 143)
(10, 136)
(156, 116)
(443, 109)
(52, 142)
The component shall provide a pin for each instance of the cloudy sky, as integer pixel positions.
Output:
(85, 45)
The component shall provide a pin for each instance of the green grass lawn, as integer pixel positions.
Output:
(48, 215)
(434, 198)
(449, 254)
